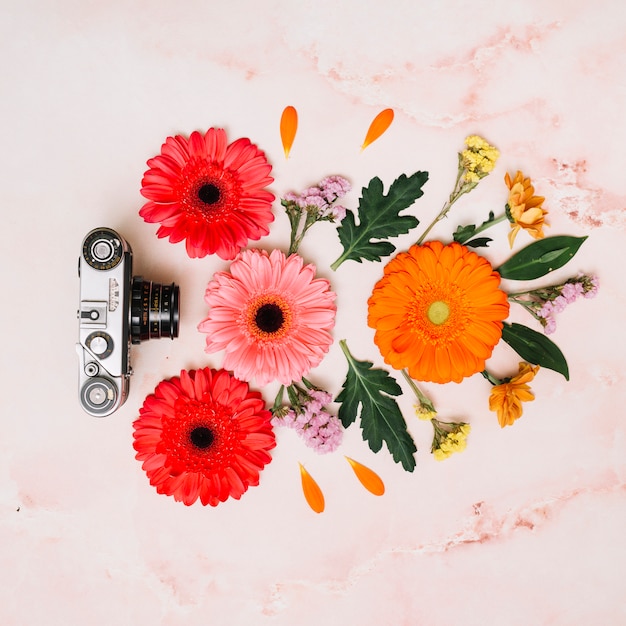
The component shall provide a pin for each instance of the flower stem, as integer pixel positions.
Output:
(295, 216)
(542, 292)
(460, 188)
(338, 262)
(344, 348)
(437, 428)
(422, 398)
(525, 304)
(296, 239)
(442, 214)
(491, 378)
(489, 224)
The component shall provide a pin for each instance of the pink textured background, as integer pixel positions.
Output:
(525, 527)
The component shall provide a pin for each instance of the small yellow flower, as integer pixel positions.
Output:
(471, 177)
(479, 159)
(474, 163)
(477, 143)
(524, 208)
(456, 441)
(424, 412)
(450, 437)
(506, 399)
(440, 455)
(449, 444)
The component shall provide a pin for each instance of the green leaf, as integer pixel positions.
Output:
(367, 393)
(465, 233)
(479, 242)
(535, 348)
(379, 218)
(541, 257)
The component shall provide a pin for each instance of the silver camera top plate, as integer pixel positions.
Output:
(105, 271)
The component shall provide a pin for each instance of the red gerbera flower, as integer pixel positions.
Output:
(208, 192)
(203, 435)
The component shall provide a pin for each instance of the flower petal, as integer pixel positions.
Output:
(367, 477)
(378, 126)
(288, 128)
(312, 493)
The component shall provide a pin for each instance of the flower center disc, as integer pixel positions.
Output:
(438, 312)
(201, 437)
(269, 318)
(209, 194)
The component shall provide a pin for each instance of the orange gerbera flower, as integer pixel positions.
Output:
(438, 312)
(506, 399)
(524, 208)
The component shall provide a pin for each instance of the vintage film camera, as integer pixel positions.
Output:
(116, 310)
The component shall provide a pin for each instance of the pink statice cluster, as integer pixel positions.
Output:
(553, 300)
(320, 198)
(320, 430)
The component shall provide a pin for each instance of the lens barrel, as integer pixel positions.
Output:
(154, 310)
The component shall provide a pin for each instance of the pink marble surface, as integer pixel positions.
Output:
(525, 527)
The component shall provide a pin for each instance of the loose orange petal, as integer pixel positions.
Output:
(312, 492)
(288, 128)
(378, 126)
(369, 479)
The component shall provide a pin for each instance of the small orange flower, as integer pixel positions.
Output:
(506, 399)
(524, 209)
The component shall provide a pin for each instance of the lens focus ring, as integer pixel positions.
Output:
(154, 310)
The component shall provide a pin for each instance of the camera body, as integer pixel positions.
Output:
(116, 310)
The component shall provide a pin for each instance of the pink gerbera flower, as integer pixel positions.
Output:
(270, 315)
(203, 435)
(209, 193)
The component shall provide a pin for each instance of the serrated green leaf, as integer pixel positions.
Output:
(379, 218)
(541, 257)
(464, 233)
(373, 251)
(535, 348)
(368, 393)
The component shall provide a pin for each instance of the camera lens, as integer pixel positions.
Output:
(154, 310)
